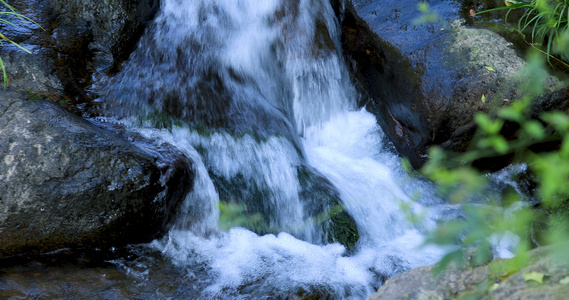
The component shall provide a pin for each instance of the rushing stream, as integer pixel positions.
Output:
(260, 94)
(268, 82)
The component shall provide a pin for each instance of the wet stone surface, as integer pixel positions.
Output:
(425, 82)
(67, 183)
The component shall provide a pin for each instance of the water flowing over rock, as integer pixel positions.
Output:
(258, 96)
(425, 82)
(247, 79)
(65, 183)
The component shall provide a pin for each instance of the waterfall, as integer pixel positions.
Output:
(257, 94)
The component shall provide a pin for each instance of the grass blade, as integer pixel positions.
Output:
(4, 73)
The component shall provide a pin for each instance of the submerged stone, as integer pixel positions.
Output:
(324, 204)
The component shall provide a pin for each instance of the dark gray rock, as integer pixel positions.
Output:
(425, 82)
(77, 40)
(112, 27)
(67, 183)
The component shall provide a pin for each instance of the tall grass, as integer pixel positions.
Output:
(546, 20)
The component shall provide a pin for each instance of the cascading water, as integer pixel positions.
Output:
(258, 96)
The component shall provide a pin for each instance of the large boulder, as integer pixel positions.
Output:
(425, 82)
(65, 183)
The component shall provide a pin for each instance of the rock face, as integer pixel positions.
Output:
(67, 183)
(425, 82)
(63, 181)
(113, 27)
(80, 39)
(483, 282)
(419, 283)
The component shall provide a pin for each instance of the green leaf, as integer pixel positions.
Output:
(497, 142)
(558, 119)
(500, 144)
(493, 287)
(564, 281)
(456, 257)
(423, 7)
(487, 124)
(564, 151)
(489, 68)
(483, 98)
(511, 113)
(535, 276)
(534, 129)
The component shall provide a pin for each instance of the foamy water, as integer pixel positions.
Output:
(268, 80)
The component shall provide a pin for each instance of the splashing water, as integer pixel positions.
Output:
(258, 90)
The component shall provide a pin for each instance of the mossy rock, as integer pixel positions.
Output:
(325, 204)
(321, 202)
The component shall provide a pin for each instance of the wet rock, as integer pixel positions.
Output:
(134, 272)
(66, 183)
(425, 82)
(319, 197)
(178, 75)
(114, 27)
(72, 41)
(553, 286)
(419, 283)
(322, 202)
(490, 281)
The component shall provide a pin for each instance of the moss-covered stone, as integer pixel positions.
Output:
(322, 205)
(323, 202)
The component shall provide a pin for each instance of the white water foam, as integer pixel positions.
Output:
(286, 54)
(347, 149)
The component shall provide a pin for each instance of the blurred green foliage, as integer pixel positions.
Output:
(543, 144)
(514, 134)
(236, 215)
(427, 15)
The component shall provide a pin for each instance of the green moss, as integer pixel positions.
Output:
(245, 204)
(159, 119)
(342, 229)
(323, 202)
(33, 96)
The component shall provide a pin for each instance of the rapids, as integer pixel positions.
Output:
(251, 91)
